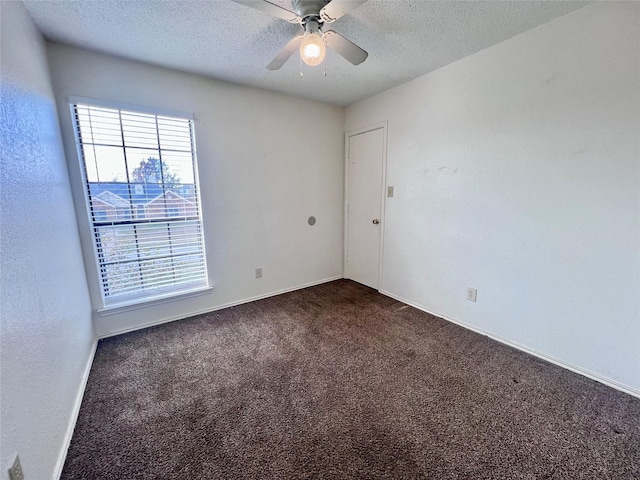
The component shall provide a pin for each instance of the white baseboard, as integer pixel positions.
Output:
(220, 307)
(74, 413)
(581, 371)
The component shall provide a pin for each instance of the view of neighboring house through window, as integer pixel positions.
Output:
(142, 193)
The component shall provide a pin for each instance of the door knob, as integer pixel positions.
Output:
(376, 221)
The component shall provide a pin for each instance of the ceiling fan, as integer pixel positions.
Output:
(312, 15)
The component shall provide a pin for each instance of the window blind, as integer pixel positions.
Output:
(143, 201)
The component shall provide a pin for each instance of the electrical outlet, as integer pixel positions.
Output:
(15, 471)
(259, 272)
(389, 191)
(472, 294)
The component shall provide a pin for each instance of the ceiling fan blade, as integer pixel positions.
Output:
(285, 53)
(337, 8)
(344, 47)
(271, 9)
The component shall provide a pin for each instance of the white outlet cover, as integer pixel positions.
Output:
(472, 294)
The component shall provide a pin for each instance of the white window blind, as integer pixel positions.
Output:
(142, 197)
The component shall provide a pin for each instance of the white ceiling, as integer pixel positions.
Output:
(232, 42)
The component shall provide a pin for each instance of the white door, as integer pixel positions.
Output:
(364, 206)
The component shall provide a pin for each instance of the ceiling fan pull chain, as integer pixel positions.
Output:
(300, 60)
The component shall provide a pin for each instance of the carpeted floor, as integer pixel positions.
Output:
(336, 382)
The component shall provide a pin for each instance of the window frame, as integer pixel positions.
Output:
(163, 294)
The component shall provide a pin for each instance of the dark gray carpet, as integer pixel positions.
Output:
(337, 382)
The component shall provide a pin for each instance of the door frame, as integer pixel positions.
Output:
(384, 125)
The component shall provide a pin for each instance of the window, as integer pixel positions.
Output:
(143, 202)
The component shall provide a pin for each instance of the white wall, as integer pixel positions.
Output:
(266, 162)
(516, 171)
(46, 336)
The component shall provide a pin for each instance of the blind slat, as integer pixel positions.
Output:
(157, 282)
(134, 277)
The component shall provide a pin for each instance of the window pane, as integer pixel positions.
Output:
(105, 164)
(179, 164)
(154, 240)
(121, 279)
(99, 126)
(145, 166)
(189, 267)
(175, 134)
(139, 130)
(187, 238)
(116, 244)
(110, 201)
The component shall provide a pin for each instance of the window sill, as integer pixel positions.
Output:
(147, 302)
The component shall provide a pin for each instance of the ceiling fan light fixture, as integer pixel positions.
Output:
(312, 48)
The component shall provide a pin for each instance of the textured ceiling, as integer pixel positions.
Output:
(232, 42)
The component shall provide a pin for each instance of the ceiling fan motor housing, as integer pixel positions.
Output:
(308, 8)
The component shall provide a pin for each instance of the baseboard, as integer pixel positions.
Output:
(74, 414)
(220, 307)
(581, 371)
